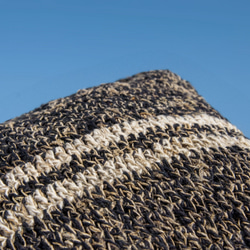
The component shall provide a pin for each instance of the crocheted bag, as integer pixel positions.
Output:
(141, 163)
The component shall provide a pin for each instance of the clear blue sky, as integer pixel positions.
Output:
(50, 49)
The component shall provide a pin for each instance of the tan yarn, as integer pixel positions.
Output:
(141, 163)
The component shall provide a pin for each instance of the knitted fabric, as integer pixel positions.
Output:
(141, 163)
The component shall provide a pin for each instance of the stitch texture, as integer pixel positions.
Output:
(141, 163)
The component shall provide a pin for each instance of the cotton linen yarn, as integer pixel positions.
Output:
(141, 163)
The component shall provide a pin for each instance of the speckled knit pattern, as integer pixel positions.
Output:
(141, 163)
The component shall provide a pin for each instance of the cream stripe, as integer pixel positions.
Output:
(100, 138)
(115, 168)
(17, 175)
(104, 136)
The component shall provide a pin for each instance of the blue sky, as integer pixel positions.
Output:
(50, 49)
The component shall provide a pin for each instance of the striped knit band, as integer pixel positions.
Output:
(141, 163)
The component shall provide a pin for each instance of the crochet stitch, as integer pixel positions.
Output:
(141, 163)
